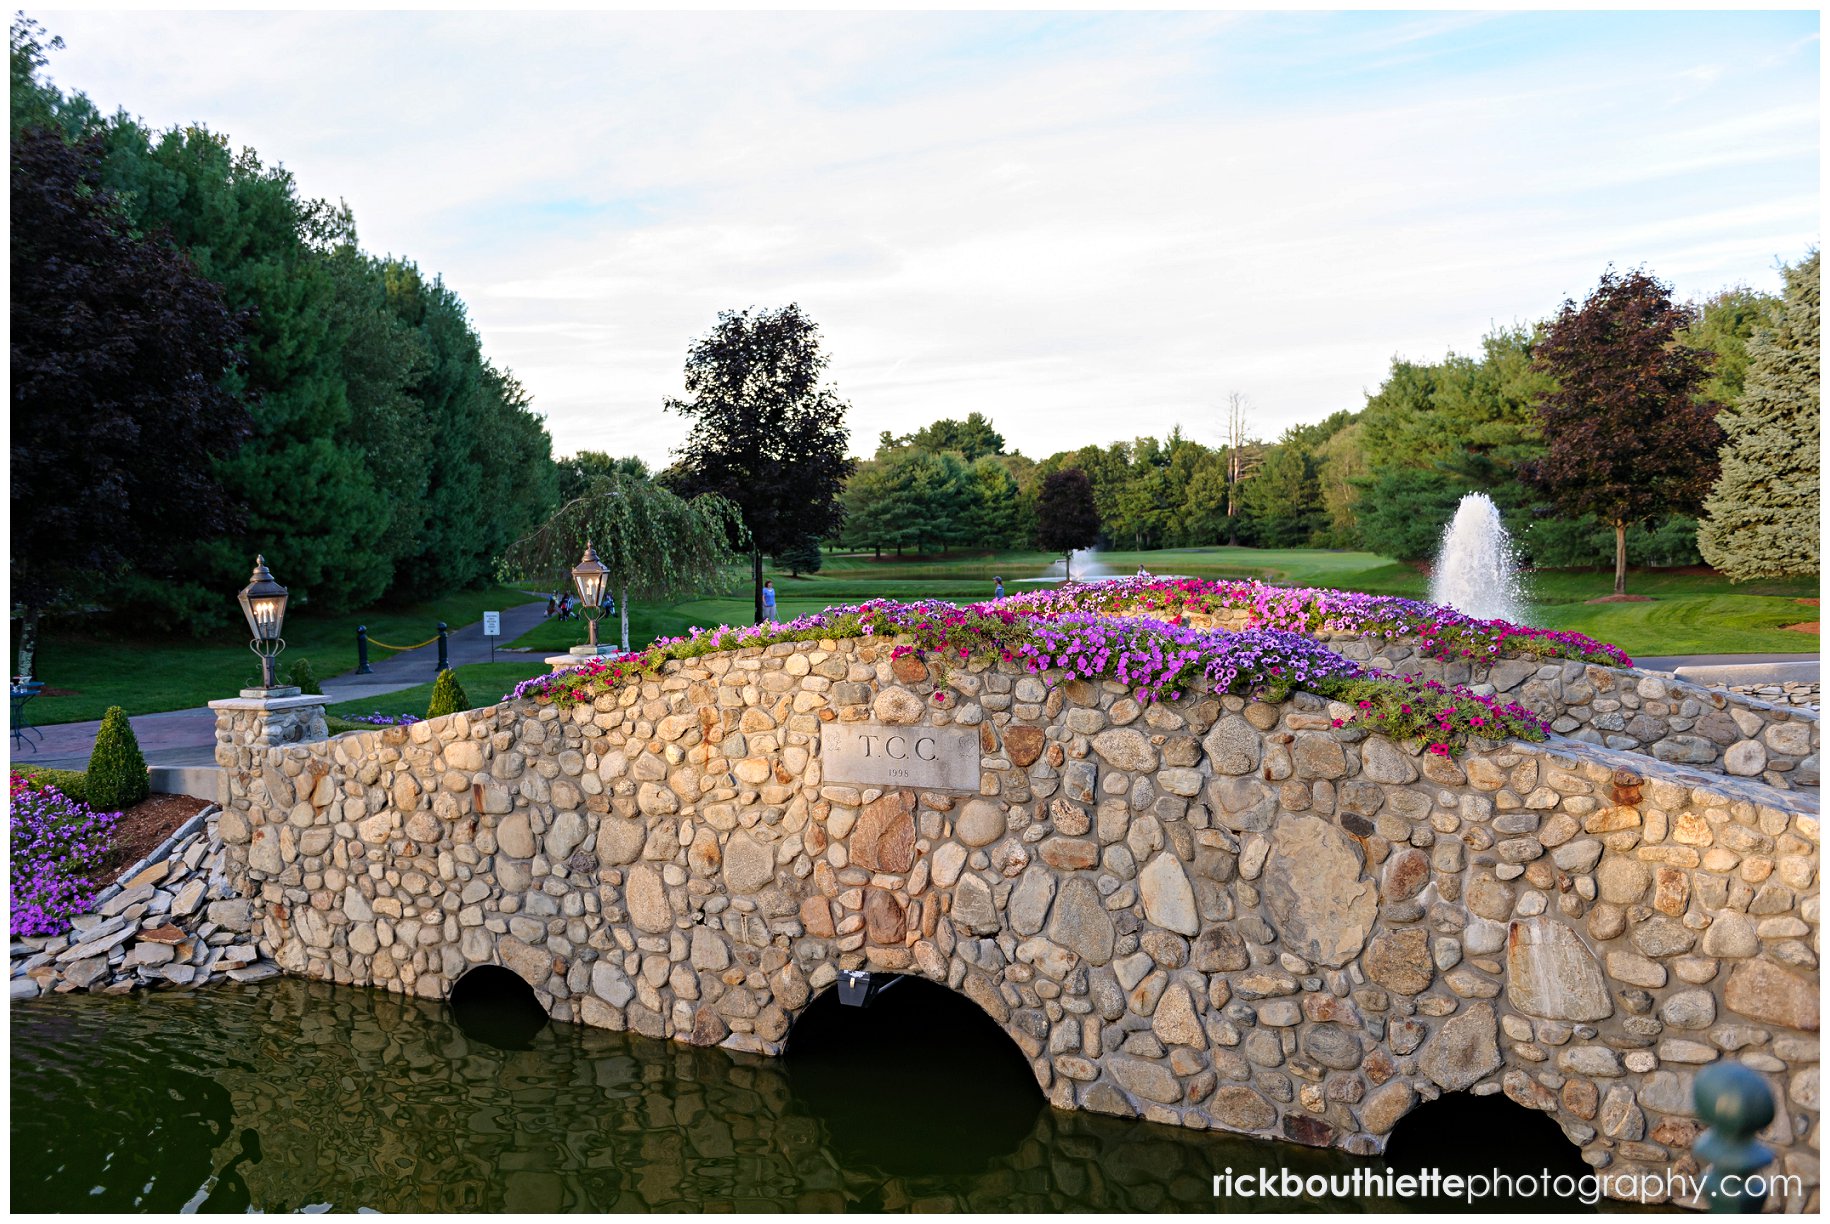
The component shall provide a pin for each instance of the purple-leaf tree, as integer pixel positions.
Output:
(1629, 435)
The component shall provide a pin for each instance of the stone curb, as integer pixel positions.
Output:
(1750, 673)
(158, 854)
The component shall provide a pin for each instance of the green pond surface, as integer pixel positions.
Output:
(297, 1095)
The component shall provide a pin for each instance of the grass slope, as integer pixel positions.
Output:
(484, 684)
(144, 676)
(1693, 610)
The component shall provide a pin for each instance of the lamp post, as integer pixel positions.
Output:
(591, 576)
(263, 602)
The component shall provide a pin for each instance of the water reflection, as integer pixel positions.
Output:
(297, 1094)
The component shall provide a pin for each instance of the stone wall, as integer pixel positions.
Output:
(1208, 913)
(1788, 693)
(1714, 729)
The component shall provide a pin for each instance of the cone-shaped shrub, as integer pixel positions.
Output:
(304, 677)
(447, 696)
(116, 777)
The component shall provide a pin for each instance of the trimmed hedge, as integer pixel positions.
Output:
(116, 777)
(447, 696)
(72, 782)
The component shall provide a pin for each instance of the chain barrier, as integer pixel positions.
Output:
(415, 646)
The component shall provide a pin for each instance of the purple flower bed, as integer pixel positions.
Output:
(57, 844)
(1055, 638)
(382, 720)
(1443, 633)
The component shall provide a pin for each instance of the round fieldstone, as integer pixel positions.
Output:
(1400, 961)
(1313, 886)
(1169, 900)
(1332, 1045)
(1689, 1009)
(1080, 921)
(1465, 1050)
(981, 823)
(1236, 1107)
(1123, 748)
(646, 899)
(897, 706)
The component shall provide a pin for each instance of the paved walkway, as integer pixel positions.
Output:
(188, 737)
(1673, 662)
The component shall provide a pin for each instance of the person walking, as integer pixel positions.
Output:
(998, 591)
(769, 599)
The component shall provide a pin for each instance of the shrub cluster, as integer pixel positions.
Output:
(71, 782)
(57, 844)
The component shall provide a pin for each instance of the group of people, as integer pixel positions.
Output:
(561, 606)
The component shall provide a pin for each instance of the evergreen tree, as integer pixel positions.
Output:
(116, 777)
(801, 557)
(448, 696)
(1763, 510)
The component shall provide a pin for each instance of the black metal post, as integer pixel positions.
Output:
(362, 651)
(1736, 1103)
(444, 655)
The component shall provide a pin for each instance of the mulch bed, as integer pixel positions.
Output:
(1803, 626)
(142, 827)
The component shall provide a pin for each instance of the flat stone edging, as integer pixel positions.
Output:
(158, 854)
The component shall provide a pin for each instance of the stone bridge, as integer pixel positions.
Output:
(1210, 913)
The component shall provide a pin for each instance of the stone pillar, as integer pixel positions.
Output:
(576, 656)
(259, 719)
(252, 732)
(267, 718)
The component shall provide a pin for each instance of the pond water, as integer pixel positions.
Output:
(293, 1095)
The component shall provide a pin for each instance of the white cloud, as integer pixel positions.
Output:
(1086, 227)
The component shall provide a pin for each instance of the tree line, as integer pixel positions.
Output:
(203, 358)
(1603, 432)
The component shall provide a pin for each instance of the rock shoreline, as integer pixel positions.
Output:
(177, 921)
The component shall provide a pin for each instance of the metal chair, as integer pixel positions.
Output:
(23, 692)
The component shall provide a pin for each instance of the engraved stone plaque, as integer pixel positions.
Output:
(932, 758)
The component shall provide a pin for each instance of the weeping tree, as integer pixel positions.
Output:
(655, 545)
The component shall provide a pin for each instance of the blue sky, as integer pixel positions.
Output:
(1086, 226)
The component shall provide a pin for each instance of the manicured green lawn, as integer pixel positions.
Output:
(484, 683)
(1693, 611)
(145, 676)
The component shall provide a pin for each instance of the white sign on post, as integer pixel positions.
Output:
(492, 629)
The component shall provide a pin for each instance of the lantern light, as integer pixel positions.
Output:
(263, 603)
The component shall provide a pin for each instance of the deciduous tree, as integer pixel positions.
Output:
(120, 349)
(767, 434)
(655, 545)
(1627, 435)
(1066, 518)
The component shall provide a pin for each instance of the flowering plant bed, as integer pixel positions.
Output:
(1442, 632)
(1155, 659)
(58, 845)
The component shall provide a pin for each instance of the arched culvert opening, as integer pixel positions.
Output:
(1467, 1135)
(495, 1006)
(921, 1081)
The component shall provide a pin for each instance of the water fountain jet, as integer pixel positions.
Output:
(1477, 568)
